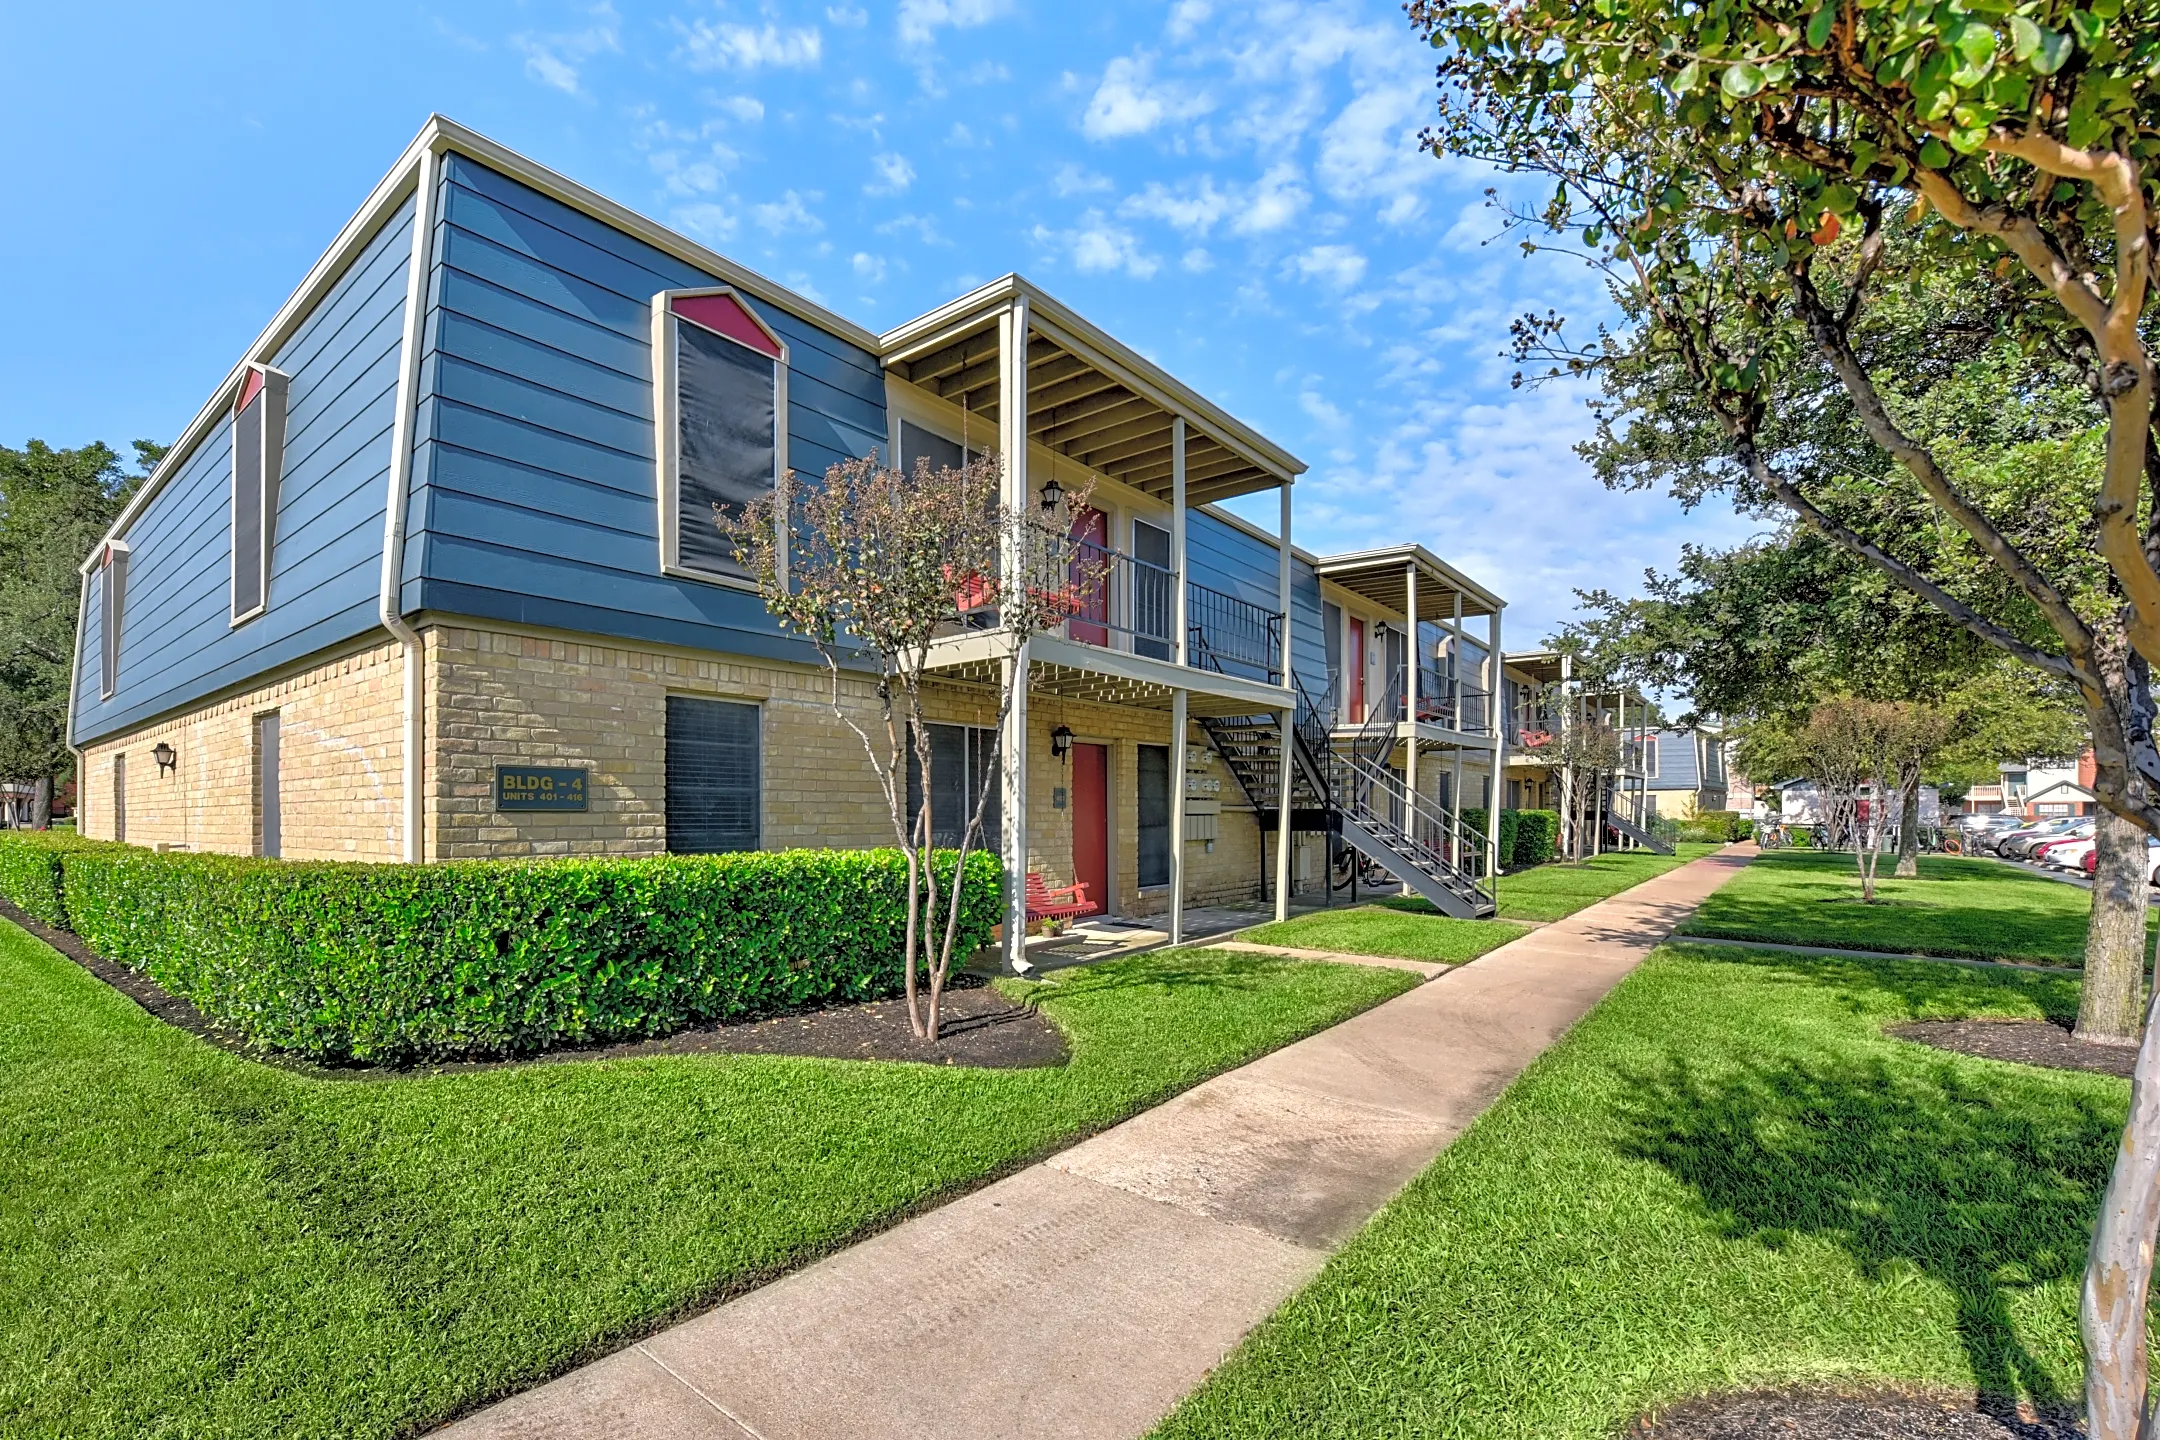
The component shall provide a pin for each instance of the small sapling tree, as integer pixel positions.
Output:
(873, 565)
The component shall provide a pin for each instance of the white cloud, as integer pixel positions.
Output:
(788, 214)
(847, 17)
(894, 175)
(708, 222)
(746, 108)
(1186, 17)
(1370, 149)
(1336, 265)
(1131, 101)
(868, 267)
(923, 227)
(920, 19)
(741, 47)
(555, 60)
(1274, 202)
(1098, 245)
(1322, 410)
(1072, 179)
(1196, 261)
(1190, 209)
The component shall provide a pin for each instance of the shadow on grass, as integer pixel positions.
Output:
(1205, 970)
(1986, 1189)
(1918, 989)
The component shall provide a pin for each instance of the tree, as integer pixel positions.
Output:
(1715, 159)
(872, 566)
(1584, 752)
(54, 506)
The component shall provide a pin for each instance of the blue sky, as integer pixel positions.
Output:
(1233, 189)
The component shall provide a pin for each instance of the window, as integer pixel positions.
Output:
(1650, 756)
(1331, 638)
(917, 443)
(961, 770)
(712, 776)
(720, 385)
(119, 796)
(269, 804)
(1154, 810)
(112, 597)
(1154, 593)
(258, 460)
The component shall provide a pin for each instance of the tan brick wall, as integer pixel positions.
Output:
(500, 697)
(339, 725)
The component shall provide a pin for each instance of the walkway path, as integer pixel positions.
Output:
(1083, 1296)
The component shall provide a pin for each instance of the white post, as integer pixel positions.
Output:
(1498, 664)
(1283, 811)
(1178, 727)
(1410, 692)
(1178, 698)
(1179, 600)
(1012, 454)
(1455, 723)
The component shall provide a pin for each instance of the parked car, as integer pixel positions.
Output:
(2065, 854)
(2018, 844)
(1988, 838)
(2042, 848)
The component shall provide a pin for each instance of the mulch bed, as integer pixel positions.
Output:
(1796, 1414)
(2025, 1042)
(980, 1028)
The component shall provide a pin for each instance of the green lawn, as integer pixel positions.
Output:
(1979, 908)
(1554, 891)
(192, 1244)
(1377, 930)
(1726, 1175)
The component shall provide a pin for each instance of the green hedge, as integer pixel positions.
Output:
(30, 874)
(395, 963)
(1474, 822)
(1537, 836)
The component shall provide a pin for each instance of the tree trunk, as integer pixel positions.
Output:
(2110, 1001)
(1908, 836)
(2118, 1267)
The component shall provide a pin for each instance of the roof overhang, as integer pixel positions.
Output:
(1383, 577)
(1090, 398)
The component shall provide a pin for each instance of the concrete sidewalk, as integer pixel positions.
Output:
(1084, 1296)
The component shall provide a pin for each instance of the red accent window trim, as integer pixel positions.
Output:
(727, 316)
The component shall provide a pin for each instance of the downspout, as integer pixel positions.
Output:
(400, 490)
(82, 777)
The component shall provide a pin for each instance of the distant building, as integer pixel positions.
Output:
(2037, 790)
(1800, 803)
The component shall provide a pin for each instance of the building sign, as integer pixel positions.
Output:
(533, 787)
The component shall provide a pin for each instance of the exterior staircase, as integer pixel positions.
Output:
(1350, 793)
(1633, 828)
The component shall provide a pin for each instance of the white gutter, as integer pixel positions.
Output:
(399, 493)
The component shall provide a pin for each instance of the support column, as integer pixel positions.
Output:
(1180, 601)
(1455, 796)
(1497, 662)
(1416, 661)
(1012, 455)
(1284, 811)
(1178, 727)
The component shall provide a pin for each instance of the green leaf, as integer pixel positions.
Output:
(1689, 79)
(1840, 199)
(2054, 50)
(1863, 156)
(1818, 25)
(1935, 155)
(1976, 43)
(1742, 80)
(2089, 28)
(2024, 38)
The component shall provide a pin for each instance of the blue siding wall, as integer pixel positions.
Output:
(1222, 557)
(176, 644)
(1677, 769)
(534, 492)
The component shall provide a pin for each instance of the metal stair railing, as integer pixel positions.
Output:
(1424, 836)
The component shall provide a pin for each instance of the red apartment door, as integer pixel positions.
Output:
(1091, 592)
(1357, 672)
(1091, 820)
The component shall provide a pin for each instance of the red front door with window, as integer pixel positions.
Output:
(1091, 821)
(1357, 672)
(1090, 585)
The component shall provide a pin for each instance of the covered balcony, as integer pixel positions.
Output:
(1439, 691)
(1065, 405)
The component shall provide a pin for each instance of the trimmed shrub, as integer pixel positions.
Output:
(1537, 836)
(1474, 821)
(1743, 829)
(30, 874)
(1719, 825)
(394, 963)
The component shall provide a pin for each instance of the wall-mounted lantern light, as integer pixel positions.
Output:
(1053, 493)
(165, 756)
(1061, 742)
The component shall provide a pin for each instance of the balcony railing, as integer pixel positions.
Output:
(1233, 636)
(1467, 710)
(1121, 602)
